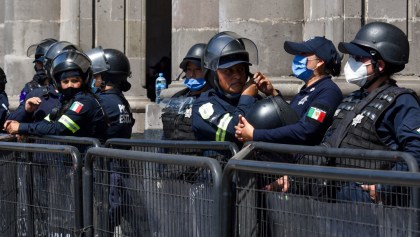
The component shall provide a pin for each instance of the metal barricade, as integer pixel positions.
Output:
(152, 199)
(33, 198)
(221, 151)
(319, 200)
(81, 143)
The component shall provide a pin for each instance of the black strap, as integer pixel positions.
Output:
(346, 121)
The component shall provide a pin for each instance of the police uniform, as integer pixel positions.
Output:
(118, 111)
(315, 106)
(214, 117)
(83, 117)
(4, 107)
(388, 121)
(50, 99)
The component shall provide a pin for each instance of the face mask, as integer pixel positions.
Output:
(69, 93)
(299, 68)
(92, 86)
(356, 72)
(195, 84)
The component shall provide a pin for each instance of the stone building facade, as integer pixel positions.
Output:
(147, 30)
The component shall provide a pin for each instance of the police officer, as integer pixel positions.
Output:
(42, 100)
(40, 78)
(381, 115)
(80, 113)
(226, 60)
(4, 107)
(176, 116)
(111, 69)
(315, 62)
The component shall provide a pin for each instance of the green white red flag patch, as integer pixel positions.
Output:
(316, 114)
(76, 106)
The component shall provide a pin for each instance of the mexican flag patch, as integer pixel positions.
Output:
(76, 106)
(316, 114)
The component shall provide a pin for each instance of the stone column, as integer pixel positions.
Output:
(192, 22)
(26, 23)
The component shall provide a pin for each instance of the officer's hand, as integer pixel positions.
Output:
(244, 130)
(11, 126)
(281, 184)
(371, 189)
(32, 104)
(250, 89)
(264, 84)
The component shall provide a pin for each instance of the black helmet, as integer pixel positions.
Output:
(40, 49)
(119, 69)
(3, 78)
(118, 61)
(271, 112)
(225, 50)
(388, 40)
(195, 53)
(55, 49)
(99, 61)
(71, 60)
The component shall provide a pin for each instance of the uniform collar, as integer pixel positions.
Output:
(313, 86)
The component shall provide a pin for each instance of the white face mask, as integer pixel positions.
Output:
(356, 72)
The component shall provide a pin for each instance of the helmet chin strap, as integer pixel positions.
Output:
(376, 72)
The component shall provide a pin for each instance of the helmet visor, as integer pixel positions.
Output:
(99, 62)
(76, 59)
(228, 50)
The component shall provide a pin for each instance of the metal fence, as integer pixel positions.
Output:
(40, 190)
(158, 194)
(320, 200)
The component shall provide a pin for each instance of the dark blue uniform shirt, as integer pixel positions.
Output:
(315, 105)
(214, 117)
(83, 118)
(119, 113)
(50, 99)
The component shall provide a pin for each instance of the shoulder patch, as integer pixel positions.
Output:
(76, 107)
(206, 110)
(317, 114)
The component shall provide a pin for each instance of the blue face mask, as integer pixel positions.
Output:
(92, 86)
(299, 68)
(195, 84)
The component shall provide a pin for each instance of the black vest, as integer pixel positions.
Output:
(360, 132)
(177, 120)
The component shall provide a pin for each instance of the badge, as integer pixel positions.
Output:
(337, 112)
(357, 119)
(303, 100)
(188, 113)
(206, 110)
(312, 89)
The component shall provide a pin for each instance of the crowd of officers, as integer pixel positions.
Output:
(81, 94)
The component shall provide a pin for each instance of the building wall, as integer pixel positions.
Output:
(145, 30)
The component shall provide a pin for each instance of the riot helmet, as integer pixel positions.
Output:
(194, 55)
(380, 40)
(119, 69)
(55, 49)
(225, 50)
(3, 78)
(40, 49)
(74, 61)
(99, 61)
(271, 112)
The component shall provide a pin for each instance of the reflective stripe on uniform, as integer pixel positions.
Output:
(70, 124)
(222, 126)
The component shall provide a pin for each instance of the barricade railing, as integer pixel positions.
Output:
(320, 200)
(81, 143)
(154, 195)
(221, 151)
(34, 199)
